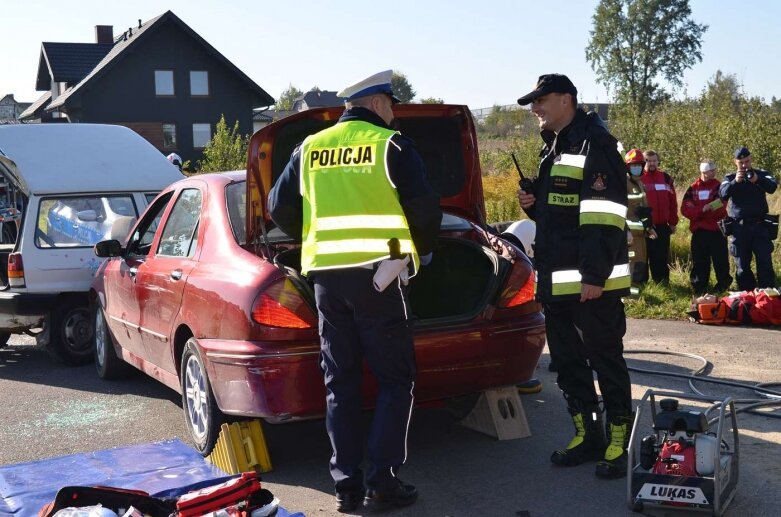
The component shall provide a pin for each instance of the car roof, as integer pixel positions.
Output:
(59, 158)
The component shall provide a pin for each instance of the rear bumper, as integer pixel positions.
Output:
(21, 311)
(279, 381)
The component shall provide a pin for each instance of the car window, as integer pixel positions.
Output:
(150, 198)
(236, 201)
(141, 241)
(179, 234)
(80, 221)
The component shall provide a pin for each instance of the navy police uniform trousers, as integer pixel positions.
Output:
(584, 338)
(751, 237)
(357, 322)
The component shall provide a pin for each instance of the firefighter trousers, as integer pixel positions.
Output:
(587, 337)
(356, 322)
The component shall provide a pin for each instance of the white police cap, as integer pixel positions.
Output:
(377, 83)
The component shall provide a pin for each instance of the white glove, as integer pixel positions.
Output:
(388, 271)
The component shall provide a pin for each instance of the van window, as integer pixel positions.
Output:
(70, 222)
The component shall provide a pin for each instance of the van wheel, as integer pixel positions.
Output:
(4, 337)
(70, 339)
(201, 414)
(107, 363)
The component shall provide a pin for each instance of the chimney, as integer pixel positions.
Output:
(139, 23)
(104, 34)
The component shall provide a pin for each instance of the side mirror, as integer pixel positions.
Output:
(109, 248)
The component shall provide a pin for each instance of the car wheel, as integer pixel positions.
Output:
(4, 337)
(107, 363)
(201, 414)
(70, 339)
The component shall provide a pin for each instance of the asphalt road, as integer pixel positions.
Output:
(50, 410)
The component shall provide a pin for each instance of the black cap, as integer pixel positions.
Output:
(549, 83)
(742, 152)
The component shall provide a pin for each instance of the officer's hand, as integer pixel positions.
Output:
(589, 292)
(754, 178)
(707, 208)
(740, 177)
(526, 200)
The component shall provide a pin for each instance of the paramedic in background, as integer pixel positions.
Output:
(703, 207)
(660, 192)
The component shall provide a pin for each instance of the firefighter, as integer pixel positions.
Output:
(579, 201)
(638, 217)
(347, 192)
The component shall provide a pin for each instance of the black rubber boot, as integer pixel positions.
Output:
(614, 463)
(588, 444)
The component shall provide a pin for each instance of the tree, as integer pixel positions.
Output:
(431, 100)
(287, 97)
(402, 88)
(723, 89)
(226, 151)
(635, 42)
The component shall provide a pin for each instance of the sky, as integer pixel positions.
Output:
(478, 53)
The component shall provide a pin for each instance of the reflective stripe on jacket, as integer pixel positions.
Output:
(350, 206)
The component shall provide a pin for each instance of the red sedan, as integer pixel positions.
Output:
(205, 295)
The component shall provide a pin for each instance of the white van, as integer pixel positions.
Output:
(74, 183)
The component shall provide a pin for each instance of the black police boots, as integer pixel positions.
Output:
(614, 463)
(588, 444)
(349, 501)
(402, 495)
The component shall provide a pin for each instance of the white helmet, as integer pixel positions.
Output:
(525, 231)
(175, 159)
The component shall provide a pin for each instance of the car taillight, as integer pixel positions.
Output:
(518, 290)
(15, 270)
(281, 305)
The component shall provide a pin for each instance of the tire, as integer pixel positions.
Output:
(201, 414)
(107, 363)
(4, 337)
(70, 335)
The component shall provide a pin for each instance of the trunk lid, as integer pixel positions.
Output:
(444, 136)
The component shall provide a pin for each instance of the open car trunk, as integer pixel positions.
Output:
(456, 286)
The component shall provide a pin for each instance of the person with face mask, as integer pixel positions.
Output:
(638, 218)
(704, 208)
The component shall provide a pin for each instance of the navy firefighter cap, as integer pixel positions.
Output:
(377, 83)
(742, 152)
(549, 83)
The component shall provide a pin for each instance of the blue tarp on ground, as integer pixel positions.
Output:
(163, 467)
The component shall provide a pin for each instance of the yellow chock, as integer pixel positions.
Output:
(241, 447)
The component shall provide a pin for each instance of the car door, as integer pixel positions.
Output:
(123, 300)
(165, 273)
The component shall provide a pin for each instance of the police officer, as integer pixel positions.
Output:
(579, 202)
(638, 217)
(348, 191)
(747, 189)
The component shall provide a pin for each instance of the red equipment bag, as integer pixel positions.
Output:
(244, 490)
(740, 307)
(767, 310)
(676, 459)
(116, 499)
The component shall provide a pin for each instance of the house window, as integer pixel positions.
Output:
(164, 83)
(169, 136)
(199, 83)
(202, 133)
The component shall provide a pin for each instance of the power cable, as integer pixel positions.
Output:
(770, 398)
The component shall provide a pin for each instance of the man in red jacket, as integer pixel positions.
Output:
(660, 191)
(704, 209)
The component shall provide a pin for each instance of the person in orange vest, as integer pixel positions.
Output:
(704, 208)
(660, 191)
